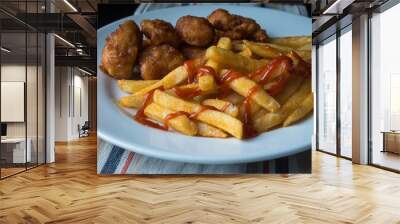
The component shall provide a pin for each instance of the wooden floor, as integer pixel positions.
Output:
(69, 191)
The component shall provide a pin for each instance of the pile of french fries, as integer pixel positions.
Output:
(212, 114)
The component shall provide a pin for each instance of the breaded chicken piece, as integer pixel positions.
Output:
(236, 27)
(160, 32)
(195, 31)
(260, 36)
(193, 52)
(157, 61)
(121, 50)
(221, 19)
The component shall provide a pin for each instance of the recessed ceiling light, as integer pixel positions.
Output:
(64, 40)
(5, 50)
(84, 71)
(70, 5)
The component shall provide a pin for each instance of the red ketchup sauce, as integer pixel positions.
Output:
(277, 68)
(225, 80)
(227, 104)
(202, 109)
(172, 116)
(186, 93)
(248, 130)
(141, 117)
(303, 68)
(191, 70)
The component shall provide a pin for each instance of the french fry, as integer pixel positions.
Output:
(291, 86)
(258, 114)
(206, 130)
(223, 106)
(246, 52)
(189, 88)
(214, 65)
(132, 86)
(237, 45)
(264, 51)
(292, 41)
(305, 107)
(297, 98)
(212, 117)
(175, 77)
(243, 85)
(254, 108)
(225, 43)
(234, 98)
(304, 54)
(271, 120)
(306, 47)
(180, 123)
(228, 59)
(132, 101)
(207, 82)
(268, 121)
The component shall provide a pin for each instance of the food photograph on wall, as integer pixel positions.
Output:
(188, 88)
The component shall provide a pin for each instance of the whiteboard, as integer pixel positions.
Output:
(12, 101)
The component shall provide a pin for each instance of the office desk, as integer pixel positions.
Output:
(16, 147)
(391, 141)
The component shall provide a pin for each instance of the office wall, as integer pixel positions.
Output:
(16, 72)
(71, 102)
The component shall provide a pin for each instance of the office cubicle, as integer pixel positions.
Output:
(22, 77)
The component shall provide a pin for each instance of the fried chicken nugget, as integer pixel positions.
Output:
(157, 61)
(236, 27)
(160, 32)
(121, 50)
(195, 31)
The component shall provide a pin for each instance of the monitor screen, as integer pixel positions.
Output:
(3, 129)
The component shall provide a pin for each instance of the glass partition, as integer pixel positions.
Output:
(14, 153)
(22, 67)
(327, 95)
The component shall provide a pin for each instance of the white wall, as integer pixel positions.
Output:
(34, 125)
(71, 93)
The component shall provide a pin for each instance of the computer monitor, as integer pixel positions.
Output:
(3, 129)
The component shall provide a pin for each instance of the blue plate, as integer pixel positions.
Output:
(116, 126)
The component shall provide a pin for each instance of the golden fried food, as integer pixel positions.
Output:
(236, 27)
(260, 36)
(193, 52)
(245, 26)
(160, 32)
(121, 50)
(157, 61)
(221, 19)
(195, 31)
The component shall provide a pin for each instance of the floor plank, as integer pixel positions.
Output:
(70, 191)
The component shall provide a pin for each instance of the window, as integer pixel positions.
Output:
(385, 89)
(327, 95)
(346, 92)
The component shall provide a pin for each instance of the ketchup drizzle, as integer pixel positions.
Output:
(267, 73)
(189, 66)
(187, 93)
(202, 109)
(141, 117)
(172, 116)
(226, 79)
(248, 130)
